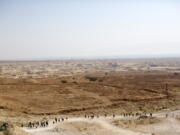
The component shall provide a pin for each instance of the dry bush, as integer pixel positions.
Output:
(64, 81)
(91, 78)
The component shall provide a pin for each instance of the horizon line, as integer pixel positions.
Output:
(94, 58)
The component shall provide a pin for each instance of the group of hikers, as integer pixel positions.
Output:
(137, 114)
(92, 116)
(56, 120)
(45, 123)
(37, 124)
(124, 115)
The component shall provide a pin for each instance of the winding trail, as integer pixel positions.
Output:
(102, 126)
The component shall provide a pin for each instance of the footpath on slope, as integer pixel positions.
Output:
(102, 122)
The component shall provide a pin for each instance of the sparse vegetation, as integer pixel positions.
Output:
(128, 92)
(90, 78)
(129, 123)
(64, 81)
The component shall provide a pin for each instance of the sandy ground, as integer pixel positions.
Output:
(82, 126)
(103, 126)
(168, 127)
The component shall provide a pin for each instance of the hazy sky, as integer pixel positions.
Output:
(31, 29)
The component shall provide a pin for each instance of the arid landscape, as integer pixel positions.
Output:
(37, 90)
(89, 67)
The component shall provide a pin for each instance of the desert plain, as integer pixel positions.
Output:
(91, 97)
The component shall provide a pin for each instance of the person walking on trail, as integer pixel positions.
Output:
(47, 123)
(56, 120)
(62, 119)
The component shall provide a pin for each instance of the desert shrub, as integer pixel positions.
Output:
(100, 80)
(64, 81)
(91, 78)
(74, 82)
(176, 73)
(3, 127)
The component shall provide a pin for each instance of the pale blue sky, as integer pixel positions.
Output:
(34, 29)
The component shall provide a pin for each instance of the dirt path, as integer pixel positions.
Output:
(100, 126)
(83, 126)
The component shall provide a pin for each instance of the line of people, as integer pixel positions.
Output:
(44, 123)
(92, 116)
(37, 124)
(56, 120)
(137, 114)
